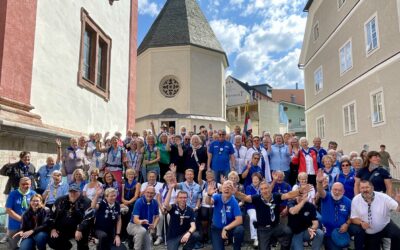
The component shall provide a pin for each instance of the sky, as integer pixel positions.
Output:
(262, 38)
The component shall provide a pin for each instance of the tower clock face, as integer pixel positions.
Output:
(169, 87)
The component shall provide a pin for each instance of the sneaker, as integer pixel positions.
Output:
(255, 243)
(158, 241)
(4, 239)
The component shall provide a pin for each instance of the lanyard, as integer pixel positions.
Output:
(190, 188)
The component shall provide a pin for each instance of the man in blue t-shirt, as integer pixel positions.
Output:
(335, 212)
(17, 203)
(45, 173)
(145, 217)
(221, 157)
(227, 218)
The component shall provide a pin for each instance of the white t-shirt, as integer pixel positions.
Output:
(90, 192)
(158, 186)
(240, 164)
(163, 194)
(311, 193)
(380, 211)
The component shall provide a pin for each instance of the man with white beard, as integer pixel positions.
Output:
(335, 212)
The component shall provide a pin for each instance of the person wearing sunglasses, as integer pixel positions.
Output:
(346, 177)
(221, 157)
(251, 168)
(267, 206)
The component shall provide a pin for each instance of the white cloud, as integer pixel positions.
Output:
(229, 34)
(147, 7)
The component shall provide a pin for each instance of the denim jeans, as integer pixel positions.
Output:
(298, 239)
(236, 235)
(218, 173)
(281, 232)
(173, 244)
(39, 240)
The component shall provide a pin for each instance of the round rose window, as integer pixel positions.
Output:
(169, 87)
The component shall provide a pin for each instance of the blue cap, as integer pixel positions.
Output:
(74, 187)
(340, 239)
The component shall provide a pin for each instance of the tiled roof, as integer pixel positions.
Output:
(181, 22)
(285, 95)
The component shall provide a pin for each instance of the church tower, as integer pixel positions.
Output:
(181, 70)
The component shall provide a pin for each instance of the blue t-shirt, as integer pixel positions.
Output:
(224, 213)
(251, 190)
(320, 153)
(145, 211)
(282, 188)
(348, 183)
(334, 213)
(221, 152)
(253, 169)
(44, 173)
(14, 202)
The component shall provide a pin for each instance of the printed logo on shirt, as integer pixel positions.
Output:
(306, 213)
(228, 209)
(343, 208)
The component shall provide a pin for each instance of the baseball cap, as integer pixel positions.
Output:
(74, 187)
(340, 239)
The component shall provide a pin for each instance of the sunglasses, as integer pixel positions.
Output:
(345, 165)
(256, 158)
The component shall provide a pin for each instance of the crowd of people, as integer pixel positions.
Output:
(189, 189)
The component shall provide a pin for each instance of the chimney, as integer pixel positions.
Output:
(297, 85)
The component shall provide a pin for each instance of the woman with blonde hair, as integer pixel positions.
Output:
(90, 189)
(151, 157)
(34, 225)
(303, 181)
(79, 178)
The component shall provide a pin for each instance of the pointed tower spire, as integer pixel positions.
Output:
(181, 22)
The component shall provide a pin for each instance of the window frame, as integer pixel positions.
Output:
(371, 95)
(344, 71)
(341, 3)
(373, 50)
(320, 68)
(320, 135)
(316, 25)
(99, 39)
(350, 132)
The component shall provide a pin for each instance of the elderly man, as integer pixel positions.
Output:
(264, 161)
(236, 132)
(267, 206)
(371, 210)
(319, 150)
(45, 172)
(240, 154)
(17, 203)
(221, 157)
(335, 211)
(145, 217)
(68, 219)
(227, 218)
(55, 189)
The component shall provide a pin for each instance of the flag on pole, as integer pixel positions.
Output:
(247, 129)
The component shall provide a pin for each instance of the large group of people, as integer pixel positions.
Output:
(187, 189)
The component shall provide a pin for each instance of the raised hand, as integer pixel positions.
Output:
(211, 190)
(222, 178)
(305, 189)
(172, 167)
(320, 175)
(275, 175)
(202, 167)
(58, 142)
